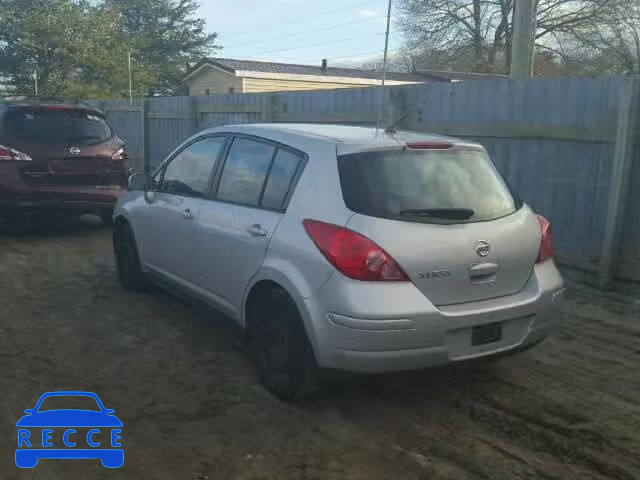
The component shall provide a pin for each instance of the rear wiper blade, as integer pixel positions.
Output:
(447, 213)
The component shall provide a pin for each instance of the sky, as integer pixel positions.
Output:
(345, 32)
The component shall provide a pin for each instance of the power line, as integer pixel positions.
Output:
(304, 32)
(358, 55)
(311, 16)
(353, 56)
(347, 39)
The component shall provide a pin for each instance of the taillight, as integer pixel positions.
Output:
(120, 154)
(429, 145)
(352, 254)
(11, 154)
(119, 158)
(546, 242)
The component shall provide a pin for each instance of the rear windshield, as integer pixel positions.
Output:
(434, 186)
(58, 126)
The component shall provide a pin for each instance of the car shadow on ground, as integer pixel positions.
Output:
(47, 225)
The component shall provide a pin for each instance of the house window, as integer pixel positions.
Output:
(207, 92)
(232, 90)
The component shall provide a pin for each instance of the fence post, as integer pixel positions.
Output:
(266, 107)
(628, 111)
(394, 108)
(144, 124)
(193, 113)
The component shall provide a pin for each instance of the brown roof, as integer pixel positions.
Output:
(233, 66)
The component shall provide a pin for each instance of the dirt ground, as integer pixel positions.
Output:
(192, 408)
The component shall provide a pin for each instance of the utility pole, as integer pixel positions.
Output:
(35, 80)
(130, 80)
(522, 48)
(384, 69)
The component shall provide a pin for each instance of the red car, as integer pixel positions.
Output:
(58, 156)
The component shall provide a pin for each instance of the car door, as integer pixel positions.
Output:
(234, 230)
(168, 223)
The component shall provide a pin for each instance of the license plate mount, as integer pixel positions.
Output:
(484, 334)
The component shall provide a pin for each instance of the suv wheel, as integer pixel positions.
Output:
(125, 250)
(106, 216)
(280, 347)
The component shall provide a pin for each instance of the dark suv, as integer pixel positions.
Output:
(59, 156)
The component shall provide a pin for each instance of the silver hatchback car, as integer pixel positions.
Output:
(345, 248)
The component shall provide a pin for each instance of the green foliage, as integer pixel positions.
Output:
(80, 48)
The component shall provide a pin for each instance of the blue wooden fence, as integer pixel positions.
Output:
(554, 139)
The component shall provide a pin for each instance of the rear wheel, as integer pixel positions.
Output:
(106, 216)
(280, 347)
(128, 265)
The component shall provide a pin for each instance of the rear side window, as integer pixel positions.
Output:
(245, 171)
(433, 186)
(282, 173)
(65, 126)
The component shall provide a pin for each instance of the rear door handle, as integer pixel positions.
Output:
(187, 213)
(257, 230)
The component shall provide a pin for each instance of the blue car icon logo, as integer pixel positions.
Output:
(91, 431)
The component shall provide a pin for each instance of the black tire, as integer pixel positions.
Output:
(128, 266)
(280, 347)
(106, 216)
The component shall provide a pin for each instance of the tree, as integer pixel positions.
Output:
(166, 34)
(612, 45)
(79, 48)
(481, 31)
(72, 47)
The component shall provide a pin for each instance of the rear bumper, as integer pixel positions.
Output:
(16, 193)
(456, 348)
(397, 328)
(80, 197)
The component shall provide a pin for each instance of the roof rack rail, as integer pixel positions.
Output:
(47, 99)
(37, 98)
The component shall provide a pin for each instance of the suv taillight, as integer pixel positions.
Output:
(11, 154)
(120, 154)
(352, 254)
(546, 242)
(119, 158)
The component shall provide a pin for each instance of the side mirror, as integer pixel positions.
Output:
(139, 181)
(144, 183)
(29, 411)
(109, 411)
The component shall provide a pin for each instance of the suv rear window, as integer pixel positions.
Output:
(58, 126)
(432, 186)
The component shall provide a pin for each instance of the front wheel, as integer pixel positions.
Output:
(280, 347)
(128, 265)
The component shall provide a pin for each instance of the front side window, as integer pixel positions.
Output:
(245, 171)
(188, 172)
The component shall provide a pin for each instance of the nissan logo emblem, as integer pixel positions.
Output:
(482, 248)
(74, 151)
